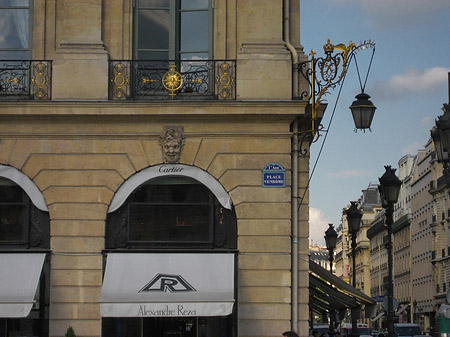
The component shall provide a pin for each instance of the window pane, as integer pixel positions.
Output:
(10, 192)
(11, 222)
(14, 3)
(13, 28)
(121, 327)
(153, 55)
(194, 4)
(193, 56)
(154, 3)
(13, 55)
(153, 29)
(194, 31)
(173, 223)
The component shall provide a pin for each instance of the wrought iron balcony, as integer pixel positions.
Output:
(25, 80)
(177, 80)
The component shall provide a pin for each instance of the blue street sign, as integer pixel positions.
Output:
(273, 175)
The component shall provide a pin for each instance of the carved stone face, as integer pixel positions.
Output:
(172, 142)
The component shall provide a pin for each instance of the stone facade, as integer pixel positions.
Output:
(80, 147)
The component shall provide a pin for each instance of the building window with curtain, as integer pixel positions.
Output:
(170, 263)
(24, 245)
(15, 30)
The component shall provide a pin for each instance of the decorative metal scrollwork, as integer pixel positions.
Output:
(187, 79)
(325, 73)
(21, 79)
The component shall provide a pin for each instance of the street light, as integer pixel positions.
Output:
(325, 73)
(441, 138)
(354, 216)
(389, 189)
(330, 239)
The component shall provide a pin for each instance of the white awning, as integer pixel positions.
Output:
(167, 285)
(170, 170)
(19, 278)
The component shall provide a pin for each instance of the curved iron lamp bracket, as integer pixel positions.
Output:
(325, 73)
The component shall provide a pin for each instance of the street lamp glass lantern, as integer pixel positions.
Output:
(354, 216)
(441, 135)
(362, 111)
(331, 238)
(389, 186)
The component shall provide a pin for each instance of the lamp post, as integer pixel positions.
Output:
(354, 216)
(330, 240)
(389, 189)
(441, 137)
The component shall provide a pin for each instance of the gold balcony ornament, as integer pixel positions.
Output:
(325, 73)
(172, 80)
(120, 80)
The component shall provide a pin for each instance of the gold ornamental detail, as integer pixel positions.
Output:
(172, 80)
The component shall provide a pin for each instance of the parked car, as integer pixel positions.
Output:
(407, 330)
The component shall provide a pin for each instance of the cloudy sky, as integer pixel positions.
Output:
(407, 82)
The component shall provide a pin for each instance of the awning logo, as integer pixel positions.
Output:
(165, 282)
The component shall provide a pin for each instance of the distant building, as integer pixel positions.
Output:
(402, 241)
(423, 215)
(320, 255)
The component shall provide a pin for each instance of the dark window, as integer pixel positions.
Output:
(22, 225)
(171, 212)
(172, 29)
(15, 29)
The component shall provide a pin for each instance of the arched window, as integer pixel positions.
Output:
(171, 212)
(24, 244)
(177, 243)
(22, 224)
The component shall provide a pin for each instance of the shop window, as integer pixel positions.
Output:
(172, 29)
(24, 241)
(171, 212)
(22, 225)
(15, 29)
(173, 215)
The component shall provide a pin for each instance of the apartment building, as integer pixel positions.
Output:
(401, 233)
(422, 213)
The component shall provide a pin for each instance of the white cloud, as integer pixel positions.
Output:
(318, 224)
(417, 80)
(398, 13)
(349, 174)
(427, 122)
(412, 148)
(412, 80)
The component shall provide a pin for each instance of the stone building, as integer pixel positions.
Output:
(149, 168)
(422, 215)
(441, 233)
(378, 266)
(401, 240)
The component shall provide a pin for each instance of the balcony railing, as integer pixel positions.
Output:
(25, 80)
(177, 80)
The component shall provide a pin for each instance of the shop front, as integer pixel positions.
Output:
(170, 257)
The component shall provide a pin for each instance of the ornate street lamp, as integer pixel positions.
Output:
(362, 111)
(325, 73)
(354, 216)
(389, 189)
(330, 240)
(441, 138)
